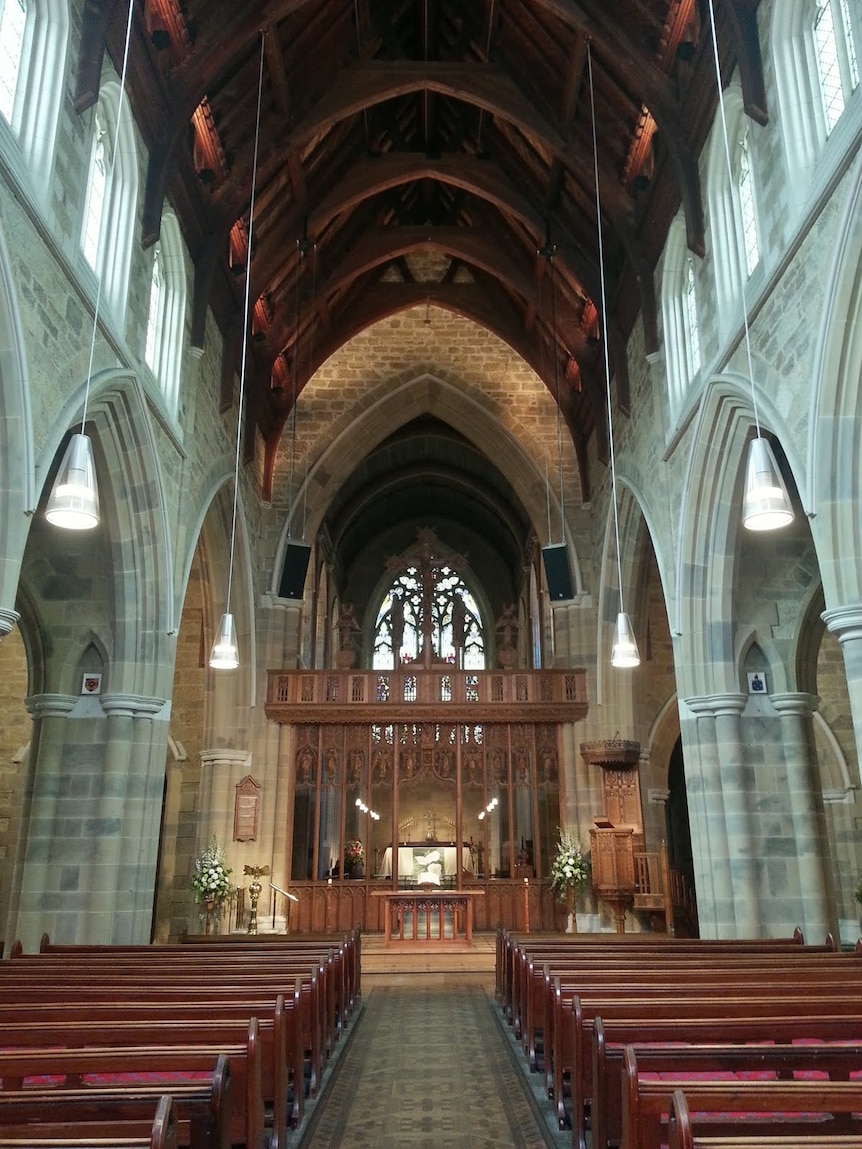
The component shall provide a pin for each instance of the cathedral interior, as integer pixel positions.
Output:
(426, 359)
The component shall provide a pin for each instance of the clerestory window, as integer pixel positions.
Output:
(166, 316)
(835, 52)
(109, 205)
(33, 41)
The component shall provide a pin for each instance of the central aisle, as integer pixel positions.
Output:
(432, 1069)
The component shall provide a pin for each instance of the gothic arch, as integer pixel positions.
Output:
(209, 533)
(835, 436)
(17, 469)
(133, 511)
(424, 394)
(710, 518)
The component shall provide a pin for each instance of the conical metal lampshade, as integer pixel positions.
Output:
(624, 653)
(74, 501)
(766, 506)
(225, 653)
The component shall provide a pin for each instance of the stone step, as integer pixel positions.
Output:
(409, 959)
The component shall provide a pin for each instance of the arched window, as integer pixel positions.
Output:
(835, 51)
(109, 206)
(816, 73)
(747, 205)
(166, 315)
(454, 613)
(33, 39)
(13, 22)
(733, 215)
(680, 316)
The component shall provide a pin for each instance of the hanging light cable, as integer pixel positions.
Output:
(766, 504)
(225, 653)
(74, 500)
(624, 653)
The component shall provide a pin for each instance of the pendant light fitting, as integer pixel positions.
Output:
(225, 652)
(624, 651)
(766, 503)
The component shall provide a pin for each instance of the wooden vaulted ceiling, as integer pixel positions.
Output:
(392, 126)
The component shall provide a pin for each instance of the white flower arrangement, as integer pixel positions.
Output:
(569, 868)
(211, 879)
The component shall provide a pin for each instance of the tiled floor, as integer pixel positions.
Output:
(429, 1066)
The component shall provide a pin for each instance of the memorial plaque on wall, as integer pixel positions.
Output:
(245, 810)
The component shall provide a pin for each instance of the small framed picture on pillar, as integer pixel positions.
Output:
(757, 682)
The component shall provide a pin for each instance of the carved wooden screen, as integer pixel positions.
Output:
(484, 795)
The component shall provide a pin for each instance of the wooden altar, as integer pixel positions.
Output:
(421, 916)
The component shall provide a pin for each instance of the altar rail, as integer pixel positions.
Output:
(441, 695)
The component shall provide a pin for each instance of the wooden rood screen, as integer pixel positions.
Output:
(461, 767)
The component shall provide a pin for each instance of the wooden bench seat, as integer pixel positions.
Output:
(779, 1061)
(682, 1135)
(201, 1103)
(77, 1133)
(129, 1050)
(783, 1108)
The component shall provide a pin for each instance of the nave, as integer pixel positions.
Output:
(430, 1064)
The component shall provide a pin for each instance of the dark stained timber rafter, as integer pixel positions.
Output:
(389, 130)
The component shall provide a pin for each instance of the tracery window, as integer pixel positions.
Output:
(733, 207)
(454, 613)
(681, 323)
(13, 22)
(166, 315)
(690, 298)
(33, 40)
(747, 207)
(112, 188)
(95, 205)
(835, 51)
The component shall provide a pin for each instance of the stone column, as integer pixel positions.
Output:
(142, 818)
(809, 820)
(39, 902)
(221, 771)
(708, 812)
(846, 623)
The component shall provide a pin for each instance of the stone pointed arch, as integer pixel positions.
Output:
(425, 394)
(835, 414)
(17, 469)
(209, 533)
(711, 520)
(637, 530)
(134, 514)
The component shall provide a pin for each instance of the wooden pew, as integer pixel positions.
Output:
(787, 1108)
(779, 1061)
(201, 985)
(553, 979)
(681, 1135)
(129, 1049)
(201, 1105)
(73, 1134)
(554, 993)
(247, 970)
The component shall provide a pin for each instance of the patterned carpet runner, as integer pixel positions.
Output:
(428, 1069)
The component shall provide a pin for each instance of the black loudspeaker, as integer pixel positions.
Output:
(293, 572)
(557, 571)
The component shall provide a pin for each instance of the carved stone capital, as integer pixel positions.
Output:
(50, 705)
(719, 705)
